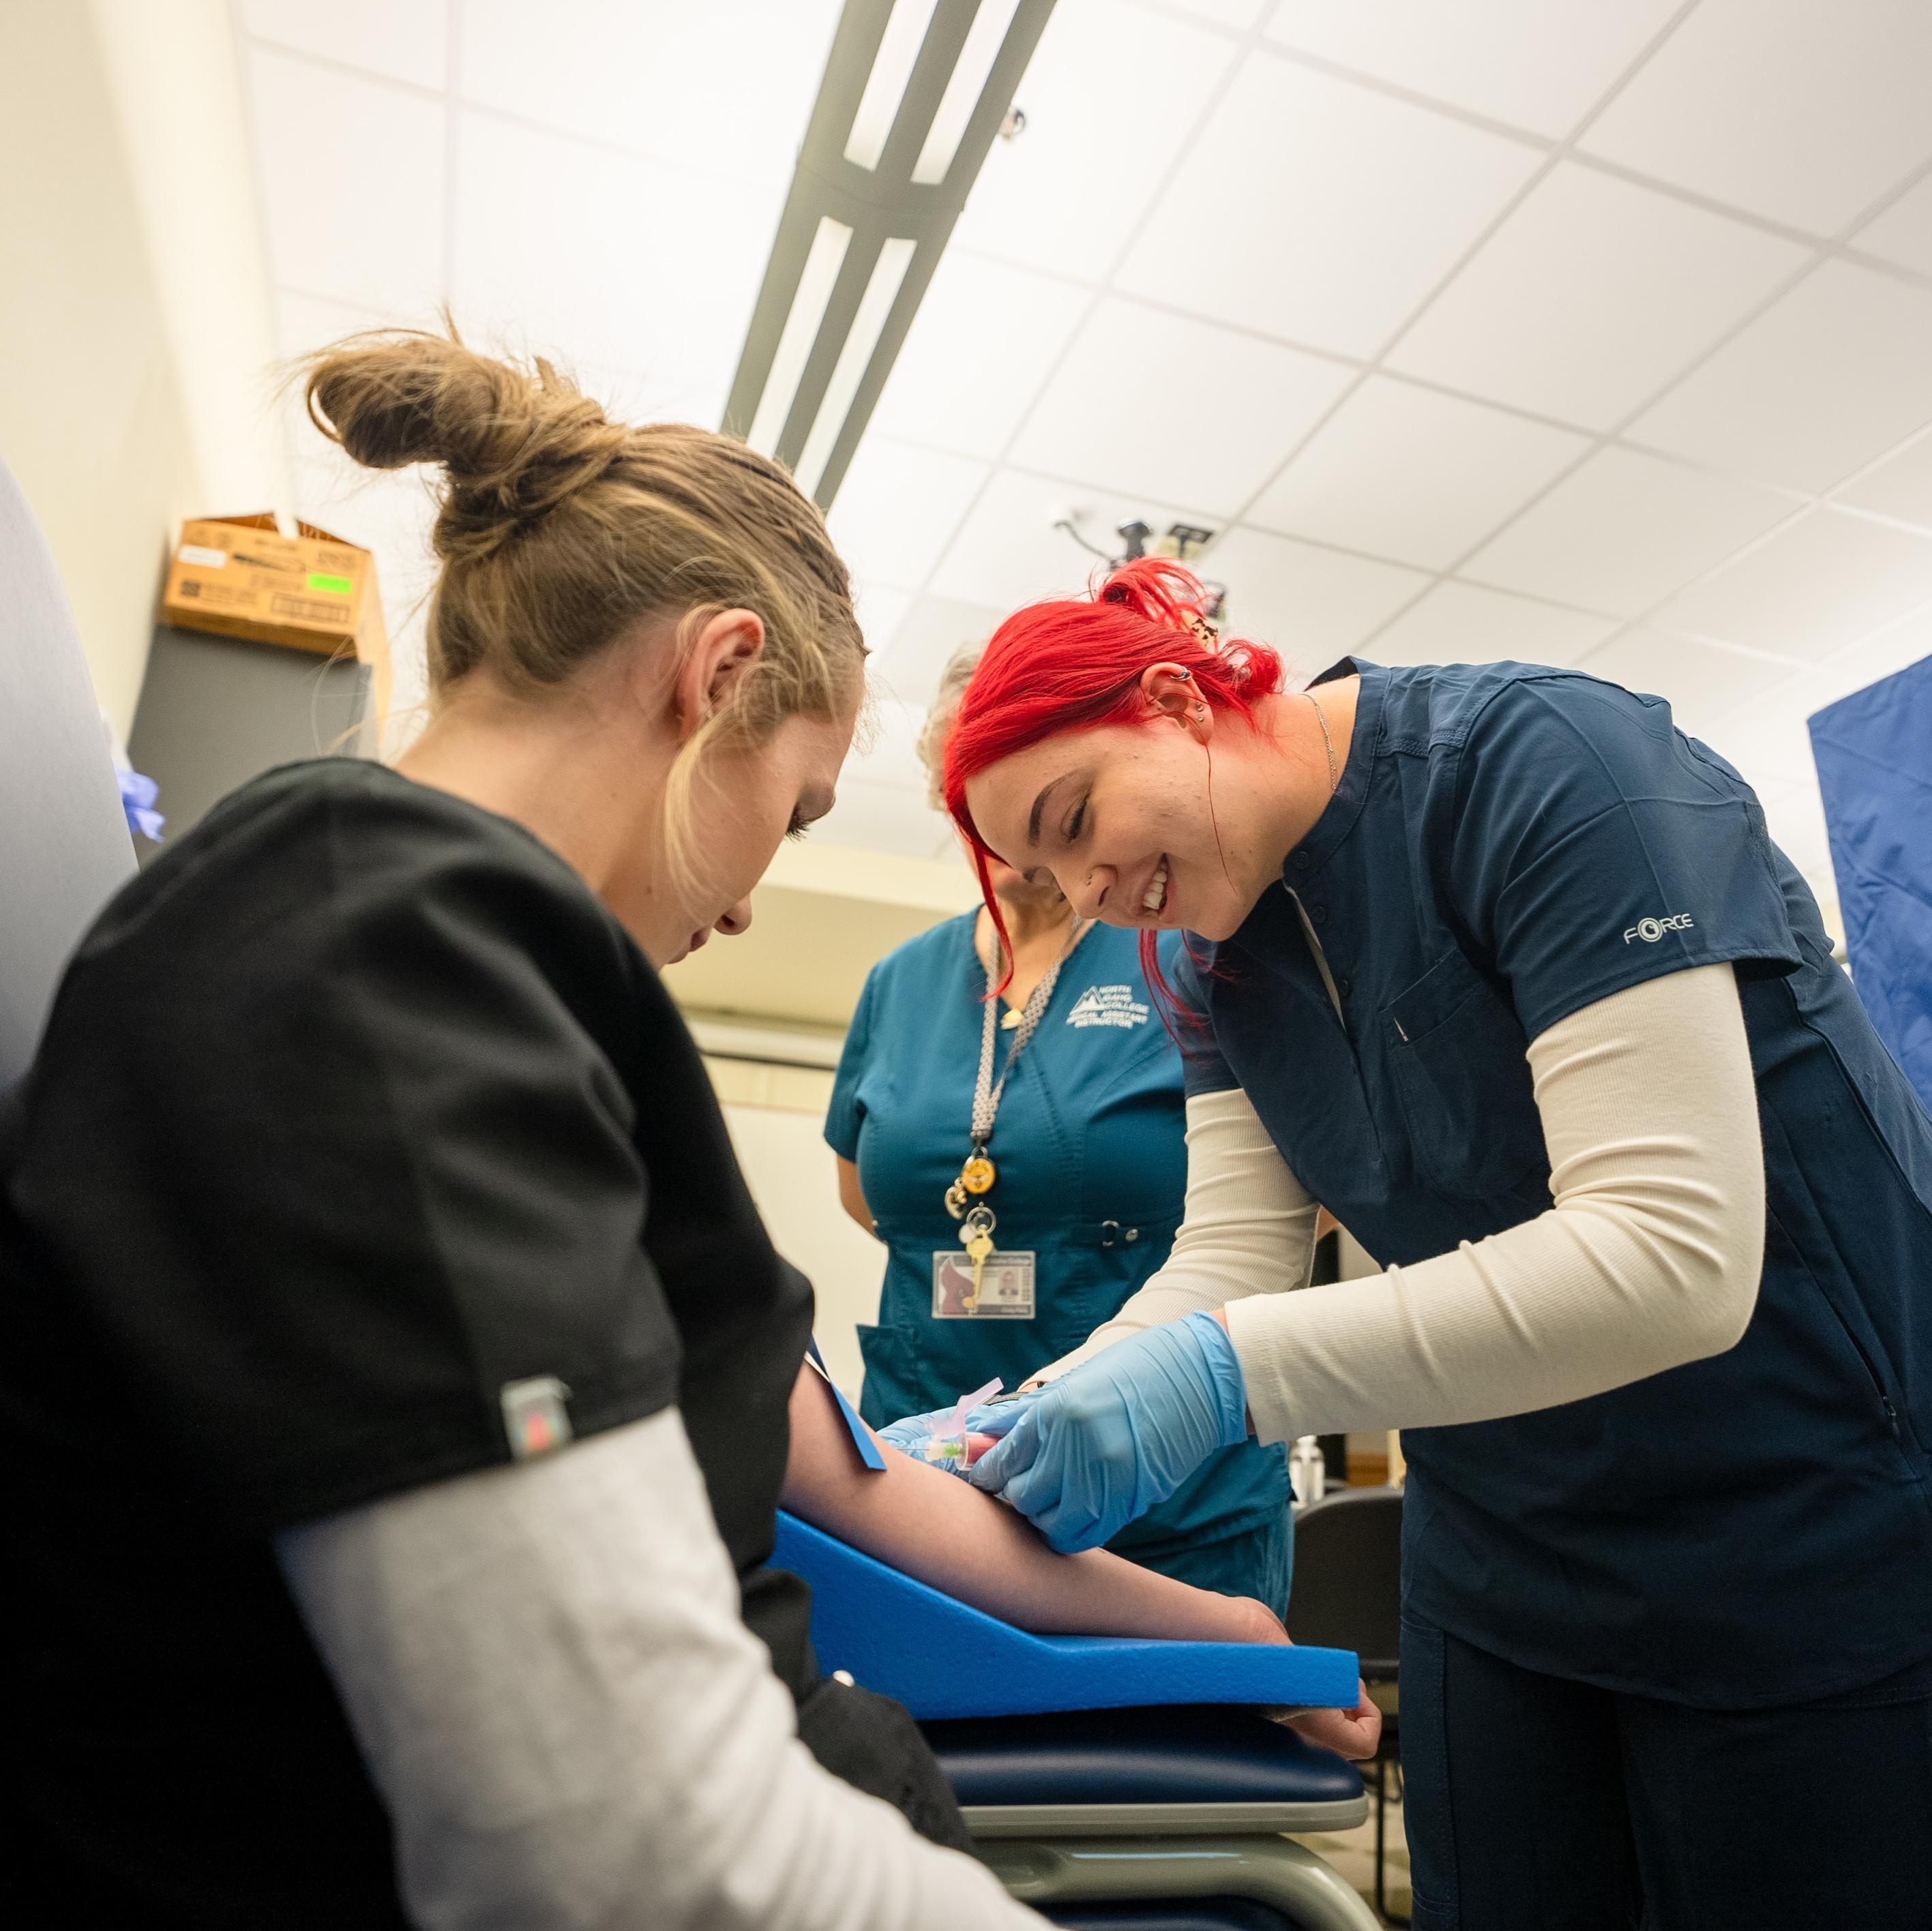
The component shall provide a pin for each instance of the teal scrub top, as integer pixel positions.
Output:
(1092, 1166)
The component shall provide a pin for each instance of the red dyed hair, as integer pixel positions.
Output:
(1075, 663)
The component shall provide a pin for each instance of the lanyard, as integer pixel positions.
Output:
(977, 1174)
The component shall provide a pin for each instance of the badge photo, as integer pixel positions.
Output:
(1006, 1287)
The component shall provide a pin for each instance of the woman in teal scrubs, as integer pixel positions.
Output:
(1089, 1168)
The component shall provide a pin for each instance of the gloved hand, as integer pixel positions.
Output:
(1120, 1433)
(911, 1433)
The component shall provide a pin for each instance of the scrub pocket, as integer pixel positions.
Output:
(887, 1395)
(1458, 1060)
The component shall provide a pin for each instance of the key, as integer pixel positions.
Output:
(977, 1249)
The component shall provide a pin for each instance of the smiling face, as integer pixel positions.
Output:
(1118, 817)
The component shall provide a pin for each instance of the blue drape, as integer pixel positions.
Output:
(1874, 755)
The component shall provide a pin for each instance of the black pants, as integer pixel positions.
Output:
(1534, 1804)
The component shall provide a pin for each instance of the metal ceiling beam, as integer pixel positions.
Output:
(879, 205)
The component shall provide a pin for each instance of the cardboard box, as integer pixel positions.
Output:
(238, 576)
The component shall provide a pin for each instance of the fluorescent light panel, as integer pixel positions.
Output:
(881, 292)
(984, 40)
(822, 264)
(886, 86)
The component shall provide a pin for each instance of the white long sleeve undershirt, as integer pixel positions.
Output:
(572, 1726)
(1648, 1257)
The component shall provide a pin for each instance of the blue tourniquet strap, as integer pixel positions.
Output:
(870, 1453)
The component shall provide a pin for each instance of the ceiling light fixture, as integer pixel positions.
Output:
(913, 94)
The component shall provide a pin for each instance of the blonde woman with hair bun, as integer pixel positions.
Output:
(396, 1381)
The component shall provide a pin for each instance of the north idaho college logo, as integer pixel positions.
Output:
(1651, 929)
(1108, 1006)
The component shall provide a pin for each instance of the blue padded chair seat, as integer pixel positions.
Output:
(941, 1659)
(1209, 1754)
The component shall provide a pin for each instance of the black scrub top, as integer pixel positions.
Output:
(1506, 845)
(355, 1110)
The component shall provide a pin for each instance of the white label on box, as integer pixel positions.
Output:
(200, 553)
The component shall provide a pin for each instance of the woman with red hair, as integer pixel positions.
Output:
(1503, 969)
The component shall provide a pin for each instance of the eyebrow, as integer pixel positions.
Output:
(1046, 791)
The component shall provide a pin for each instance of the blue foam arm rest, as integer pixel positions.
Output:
(941, 1659)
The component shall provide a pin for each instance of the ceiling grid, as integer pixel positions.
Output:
(1672, 354)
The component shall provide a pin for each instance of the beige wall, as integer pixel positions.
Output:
(104, 266)
(90, 417)
(776, 1115)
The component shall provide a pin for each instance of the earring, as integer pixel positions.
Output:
(1200, 710)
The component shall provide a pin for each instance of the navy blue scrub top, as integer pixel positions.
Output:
(1092, 1173)
(1506, 845)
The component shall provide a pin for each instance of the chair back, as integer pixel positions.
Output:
(1347, 1591)
(64, 848)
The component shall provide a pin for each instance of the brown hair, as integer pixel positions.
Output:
(558, 530)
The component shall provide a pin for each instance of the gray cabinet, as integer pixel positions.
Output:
(215, 711)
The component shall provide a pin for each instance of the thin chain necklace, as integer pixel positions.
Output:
(977, 1174)
(1327, 743)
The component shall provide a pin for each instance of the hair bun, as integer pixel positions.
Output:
(515, 442)
(1161, 590)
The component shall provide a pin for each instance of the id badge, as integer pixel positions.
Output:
(1006, 1287)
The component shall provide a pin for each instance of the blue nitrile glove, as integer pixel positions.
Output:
(1120, 1433)
(911, 1433)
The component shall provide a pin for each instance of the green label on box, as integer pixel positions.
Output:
(337, 586)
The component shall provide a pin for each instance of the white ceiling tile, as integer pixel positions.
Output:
(1901, 486)
(1464, 623)
(1007, 552)
(1766, 738)
(1872, 658)
(1833, 374)
(1110, 96)
(1701, 682)
(888, 752)
(1180, 408)
(304, 322)
(1540, 63)
(880, 817)
(1312, 605)
(1804, 111)
(924, 642)
(1624, 531)
(1592, 295)
(651, 75)
(1903, 232)
(881, 610)
(1410, 473)
(352, 179)
(1795, 819)
(1810, 589)
(1240, 14)
(897, 508)
(1318, 210)
(981, 345)
(404, 40)
(536, 259)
